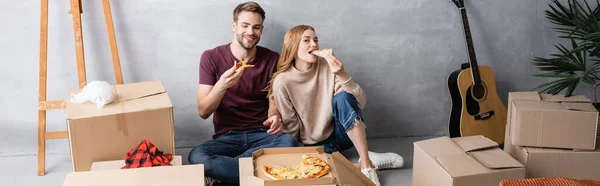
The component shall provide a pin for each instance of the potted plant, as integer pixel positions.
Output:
(581, 62)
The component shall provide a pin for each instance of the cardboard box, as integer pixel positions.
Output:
(545, 120)
(185, 175)
(545, 162)
(117, 164)
(140, 111)
(463, 161)
(550, 162)
(342, 171)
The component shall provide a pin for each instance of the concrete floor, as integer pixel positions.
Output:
(17, 169)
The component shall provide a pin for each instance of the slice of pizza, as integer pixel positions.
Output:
(281, 173)
(310, 167)
(242, 64)
(313, 167)
(323, 52)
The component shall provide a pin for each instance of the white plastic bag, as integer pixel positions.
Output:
(97, 92)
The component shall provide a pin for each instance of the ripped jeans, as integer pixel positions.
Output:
(345, 111)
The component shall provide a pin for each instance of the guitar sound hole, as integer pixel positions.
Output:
(478, 91)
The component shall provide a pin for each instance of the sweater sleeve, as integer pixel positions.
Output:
(352, 88)
(291, 123)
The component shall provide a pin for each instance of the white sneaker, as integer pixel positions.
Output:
(372, 175)
(208, 181)
(388, 160)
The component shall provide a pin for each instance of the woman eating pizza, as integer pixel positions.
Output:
(320, 104)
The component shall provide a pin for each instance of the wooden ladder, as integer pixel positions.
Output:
(44, 105)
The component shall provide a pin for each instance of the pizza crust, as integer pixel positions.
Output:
(323, 52)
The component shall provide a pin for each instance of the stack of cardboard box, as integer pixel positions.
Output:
(100, 138)
(546, 136)
(553, 135)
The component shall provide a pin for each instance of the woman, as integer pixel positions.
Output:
(320, 104)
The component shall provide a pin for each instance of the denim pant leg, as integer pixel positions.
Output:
(345, 111)
(219, 157)
(259, 139)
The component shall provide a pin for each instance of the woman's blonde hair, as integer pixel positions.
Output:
(291, 40)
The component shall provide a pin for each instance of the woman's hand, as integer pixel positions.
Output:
(335, 64)
(336, 67)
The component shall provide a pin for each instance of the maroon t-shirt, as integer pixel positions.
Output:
(244, 105)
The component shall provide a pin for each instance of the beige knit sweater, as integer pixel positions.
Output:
(305, 100)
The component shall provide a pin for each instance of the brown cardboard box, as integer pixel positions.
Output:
(185, 175)
(342, 171)
(550, 162)
(545, 162)
(545, 120)
(472, 160)
(117, 164)
(140, 111)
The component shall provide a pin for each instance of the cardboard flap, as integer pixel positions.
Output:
(461, 165)
(580, 106)
(495, 159)
(132, 91)
(562, 98)
(348, 173)
(532, 95)
(538, 105)
(131, 97)
(440, 146)
(471, 143)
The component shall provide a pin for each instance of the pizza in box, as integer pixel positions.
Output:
(309, 167)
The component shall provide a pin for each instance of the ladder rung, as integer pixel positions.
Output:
(56, 135)
(51, 105)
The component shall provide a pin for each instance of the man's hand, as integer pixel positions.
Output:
(275, 123)
(230, 77)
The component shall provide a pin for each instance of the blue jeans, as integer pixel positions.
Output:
(345, 111)
(221, 156)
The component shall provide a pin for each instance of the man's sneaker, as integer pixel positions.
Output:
(208, 181)
(371, 174)
(388, 160)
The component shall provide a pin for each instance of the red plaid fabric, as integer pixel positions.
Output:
(146, 155)
(555, 181)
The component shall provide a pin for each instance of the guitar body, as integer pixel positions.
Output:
(476, 110)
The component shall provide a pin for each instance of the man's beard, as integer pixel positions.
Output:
(246, 46)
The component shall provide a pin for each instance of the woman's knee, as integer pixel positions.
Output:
(344, 97)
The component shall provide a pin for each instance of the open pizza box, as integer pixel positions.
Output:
(342, 171)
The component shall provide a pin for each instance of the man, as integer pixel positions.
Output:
(243, 118)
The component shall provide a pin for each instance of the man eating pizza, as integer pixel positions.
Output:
(232, 78)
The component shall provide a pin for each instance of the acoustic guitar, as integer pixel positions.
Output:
(476, 107)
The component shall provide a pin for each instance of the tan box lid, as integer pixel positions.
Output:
(130, 97)
(467, 156)
(186, 175)
(562, 98)
(117, 164)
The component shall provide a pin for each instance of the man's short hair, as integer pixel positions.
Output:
(249, 6)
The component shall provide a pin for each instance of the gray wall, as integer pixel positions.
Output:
(400, 52)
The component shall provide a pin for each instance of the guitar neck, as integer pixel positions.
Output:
(470, 48)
